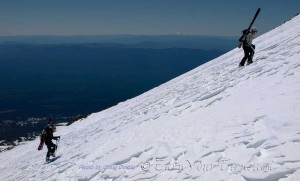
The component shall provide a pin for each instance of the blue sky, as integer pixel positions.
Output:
(152, 17)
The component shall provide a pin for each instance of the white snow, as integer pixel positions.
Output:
(216, 122)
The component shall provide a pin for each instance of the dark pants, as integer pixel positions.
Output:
(51, 148)
(248, 51)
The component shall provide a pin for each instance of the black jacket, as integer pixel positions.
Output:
(49, 136)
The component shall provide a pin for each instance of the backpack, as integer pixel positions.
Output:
(242, 39)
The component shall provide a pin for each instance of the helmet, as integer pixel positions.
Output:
(253, 29)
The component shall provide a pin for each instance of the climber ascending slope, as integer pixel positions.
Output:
(248, 47)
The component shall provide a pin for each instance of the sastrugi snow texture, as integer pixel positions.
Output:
(216, 122)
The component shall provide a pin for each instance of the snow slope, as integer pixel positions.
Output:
(216, 122)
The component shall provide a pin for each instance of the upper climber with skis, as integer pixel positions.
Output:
(246, 41)
(248, 47)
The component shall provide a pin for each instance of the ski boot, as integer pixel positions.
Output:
(52, 154)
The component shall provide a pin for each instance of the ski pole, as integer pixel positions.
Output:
(57, 141)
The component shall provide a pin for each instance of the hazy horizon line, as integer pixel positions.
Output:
(77, 35)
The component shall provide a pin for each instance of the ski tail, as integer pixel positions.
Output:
(41, 146)
(42, 140)
(254, 18)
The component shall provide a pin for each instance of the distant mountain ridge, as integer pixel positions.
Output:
(133, 41)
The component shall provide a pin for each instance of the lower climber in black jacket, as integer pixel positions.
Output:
(48, 141)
